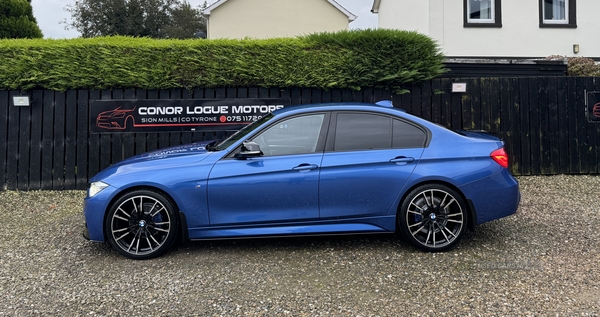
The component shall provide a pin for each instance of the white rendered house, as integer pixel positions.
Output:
(499, 28)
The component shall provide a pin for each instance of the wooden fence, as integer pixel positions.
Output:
(541, 119)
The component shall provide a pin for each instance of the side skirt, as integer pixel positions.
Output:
(384, 224)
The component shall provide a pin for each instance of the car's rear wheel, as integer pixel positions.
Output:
(142, 224)
(433, 217)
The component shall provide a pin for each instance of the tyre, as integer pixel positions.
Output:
(142, 224)
(433, 217)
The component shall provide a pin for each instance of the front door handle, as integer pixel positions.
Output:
(401, 160)
(305, 167)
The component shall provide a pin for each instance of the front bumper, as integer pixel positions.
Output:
(94, 211)
(86, 233)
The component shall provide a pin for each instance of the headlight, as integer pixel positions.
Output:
(95, 188)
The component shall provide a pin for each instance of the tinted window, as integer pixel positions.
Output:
(361, 131)
(291, 136)
(407, 135)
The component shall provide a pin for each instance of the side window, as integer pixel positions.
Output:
(361, 131)
(291, 136)
(407, 135)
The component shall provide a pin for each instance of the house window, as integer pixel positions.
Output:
(558, 14)
(482, 13)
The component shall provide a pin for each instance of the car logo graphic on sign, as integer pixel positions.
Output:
(117, 119)
(596, 110)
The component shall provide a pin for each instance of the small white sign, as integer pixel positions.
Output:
(21, 101)
(459, 87)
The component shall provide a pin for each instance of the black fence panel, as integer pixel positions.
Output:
(541, 119)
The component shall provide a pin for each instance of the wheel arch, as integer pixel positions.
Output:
(471, 212)
(182, 235)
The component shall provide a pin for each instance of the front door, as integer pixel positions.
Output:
(282, 185)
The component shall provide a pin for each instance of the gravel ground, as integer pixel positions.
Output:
(543, 261)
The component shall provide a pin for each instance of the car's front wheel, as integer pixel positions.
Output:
(433, 217)
(142, 224)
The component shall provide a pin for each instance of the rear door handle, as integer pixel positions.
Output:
(305, 167)
(401, 160)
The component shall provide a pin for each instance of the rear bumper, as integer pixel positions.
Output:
(493, 197)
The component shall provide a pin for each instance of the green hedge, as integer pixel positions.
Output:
(349, 59)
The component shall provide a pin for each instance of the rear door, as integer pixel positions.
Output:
(368, 159)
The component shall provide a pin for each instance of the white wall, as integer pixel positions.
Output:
(274, 18)
(519, 36)
(413, 18)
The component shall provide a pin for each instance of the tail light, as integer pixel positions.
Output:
(500, 157)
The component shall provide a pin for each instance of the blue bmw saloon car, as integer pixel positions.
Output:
(307, 170)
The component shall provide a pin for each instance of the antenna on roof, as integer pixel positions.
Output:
(385, 103)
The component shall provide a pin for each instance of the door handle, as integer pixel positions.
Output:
(305, 167)
(402, 160)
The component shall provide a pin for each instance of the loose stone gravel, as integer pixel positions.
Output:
(543, 261)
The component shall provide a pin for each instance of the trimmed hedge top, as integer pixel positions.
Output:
(348, 59)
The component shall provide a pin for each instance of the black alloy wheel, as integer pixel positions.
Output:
(142, 224)
(433, 217)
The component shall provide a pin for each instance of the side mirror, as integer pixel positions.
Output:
(249, 149)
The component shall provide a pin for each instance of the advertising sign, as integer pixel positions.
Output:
(593, 106)
(159, 115)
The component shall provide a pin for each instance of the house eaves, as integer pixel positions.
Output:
(375, 8)
(212, 7)
(351, 17)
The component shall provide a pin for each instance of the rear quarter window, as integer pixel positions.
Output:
(407, 135)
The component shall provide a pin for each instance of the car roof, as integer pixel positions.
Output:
(386, 108)
(337, 106)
